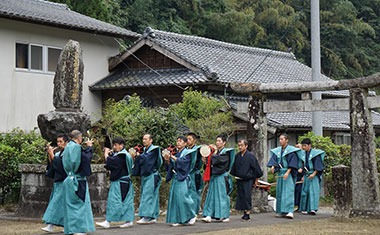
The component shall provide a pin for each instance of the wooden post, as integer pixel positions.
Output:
(257, 137)
(365, 183)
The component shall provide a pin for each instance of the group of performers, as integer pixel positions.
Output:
(191, 174)
(295, 166)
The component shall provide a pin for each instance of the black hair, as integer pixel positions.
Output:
(63, 136)
(192, 134)
(245, 142)
(223, 136)
(149, 135)
(118, 140)
(306, 141)
(182, 138)
(286, 136)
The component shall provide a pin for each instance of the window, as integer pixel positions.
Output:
(342, 138)
(34, 57)
(53, 55)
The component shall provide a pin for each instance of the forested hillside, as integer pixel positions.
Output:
(350, 30)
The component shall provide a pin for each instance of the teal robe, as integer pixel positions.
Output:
(78, 216)
(181, 205)
(217, 204)
(311, 188)
(150, 181)
(283, 160)
(54, 213)
(117, 208)
(196, 181)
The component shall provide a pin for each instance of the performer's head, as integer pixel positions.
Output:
(62, 140)
(181, 142)
(284, 139)
(118, 144)
(221, 140)
(306, 144)
(147, 140)
(191, 139)
(242, 145)
(76, 136)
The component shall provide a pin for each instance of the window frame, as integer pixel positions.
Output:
(45, 58)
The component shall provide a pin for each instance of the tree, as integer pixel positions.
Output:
(128, 119)
(203, 115)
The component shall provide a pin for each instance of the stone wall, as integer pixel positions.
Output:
(36, 188)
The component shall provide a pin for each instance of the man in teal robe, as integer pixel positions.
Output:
(180, 205)
(78, 218)
(312, 160)
(284, 161)
(147, 166)
(120, 202)
(195, 172)
(54, 213)
(217, 204)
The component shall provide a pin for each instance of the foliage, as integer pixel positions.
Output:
(335, 155)
(17, 147)
(202, 115)
(332, 156)
(350, 29)
(131, 121)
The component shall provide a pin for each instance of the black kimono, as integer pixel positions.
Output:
(247, 169)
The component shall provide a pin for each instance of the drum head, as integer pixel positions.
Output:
(205, 150)
(165, 153)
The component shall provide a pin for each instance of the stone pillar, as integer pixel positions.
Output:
(257, 138)
(341, 175)
(365, 182)
(36, 189)
(69, 78)
(67, 96)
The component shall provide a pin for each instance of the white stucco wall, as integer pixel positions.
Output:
(24, 95)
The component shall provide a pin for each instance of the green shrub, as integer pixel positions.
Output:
(17, 147)
(202, 115)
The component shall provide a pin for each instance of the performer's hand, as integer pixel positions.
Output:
(300, 170)
(286, 176)
(272, 169)
(204, 160)
(310, 177)
(89, 142)
(106, 151)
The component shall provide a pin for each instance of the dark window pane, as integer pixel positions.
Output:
(53, 55)
(21, 55)
(36, 57)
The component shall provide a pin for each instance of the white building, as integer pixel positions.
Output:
(32, 33)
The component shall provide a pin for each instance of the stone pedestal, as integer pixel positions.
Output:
(55, 122)
(36, 189)
(260, 201)
(341, 175)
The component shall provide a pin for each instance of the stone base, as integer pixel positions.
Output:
(55, 122)
(36, 189)
(260, 201)
(367, 214)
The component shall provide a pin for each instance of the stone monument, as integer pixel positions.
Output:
(67, 97)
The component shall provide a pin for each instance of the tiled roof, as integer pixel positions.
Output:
(147, 77)
(235, 63)
(58, 15)
(332, 120)
(227, 62)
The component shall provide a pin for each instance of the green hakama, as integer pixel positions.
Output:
(78, 216)
(119, 209)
